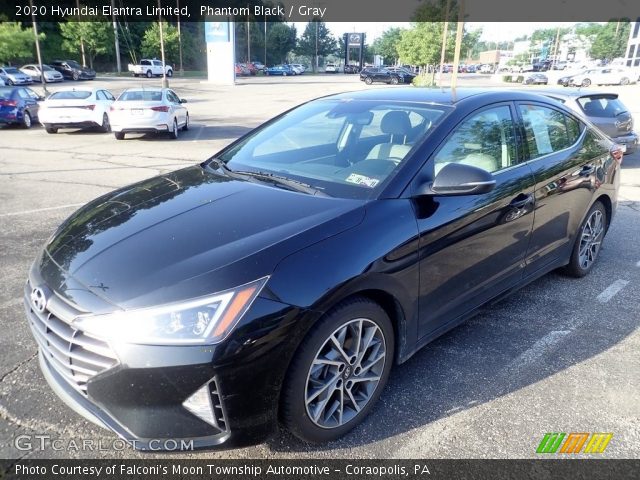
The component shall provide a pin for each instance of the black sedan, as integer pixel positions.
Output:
(370, 75)
(72, 70)
(283, 278)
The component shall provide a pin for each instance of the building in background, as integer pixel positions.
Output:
(633, 45)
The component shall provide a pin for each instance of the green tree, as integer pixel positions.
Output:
(387, 45)
(422, 44)
(16, 43)
(96, 36)
(611, 41)
(281, 39)
(150, 46)
(326, 43)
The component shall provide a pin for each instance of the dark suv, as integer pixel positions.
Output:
(72, 70)
(376, 74)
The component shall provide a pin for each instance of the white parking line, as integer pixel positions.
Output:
(609, 292)
(25, 212)
(538, 348)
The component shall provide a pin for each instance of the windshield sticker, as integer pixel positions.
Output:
(362, 180)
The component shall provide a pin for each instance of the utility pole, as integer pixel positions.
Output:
(248, 40)
(456, 55)
(317, 66)
(35, 33)
(179, 38)
(555, 50)
(165, 82)
(265, 40)
(84, 61)
(444, 40)
(115, 35)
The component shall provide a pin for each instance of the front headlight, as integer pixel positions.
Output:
(201, 320)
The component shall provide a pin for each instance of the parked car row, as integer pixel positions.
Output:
(58, 71)
(136, 110)
(599, 76)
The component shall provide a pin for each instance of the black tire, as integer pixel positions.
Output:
(170, 73)
(186, 124)
(394, 80)
(149, 74)
(577, 267)
(119, 135)
(51, 130)
(173, 134)
(294, 410)
(106, 125)
(585, 83)
(75, 76)
(26, 120)
(368, 80)
(624, 81)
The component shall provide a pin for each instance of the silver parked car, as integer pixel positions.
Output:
(13, 76)
(50, 75)
(605, 110)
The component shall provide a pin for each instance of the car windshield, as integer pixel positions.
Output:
(601, 106)
(343, 148)
(74, 64)
(70, 95)
(47, 68)
(11, 70)
(140, 96)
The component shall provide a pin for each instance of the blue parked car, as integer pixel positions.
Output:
(283, 70)
(19, 105)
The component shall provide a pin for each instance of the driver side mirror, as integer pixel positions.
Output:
(458, 179)
(182, 100)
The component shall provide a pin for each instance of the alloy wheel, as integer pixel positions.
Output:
(345, 373)
(591, 239)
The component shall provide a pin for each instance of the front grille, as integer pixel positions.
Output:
(76, 356)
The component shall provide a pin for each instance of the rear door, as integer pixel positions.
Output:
(564, 169)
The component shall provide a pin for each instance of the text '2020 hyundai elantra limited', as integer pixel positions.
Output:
(281, 279)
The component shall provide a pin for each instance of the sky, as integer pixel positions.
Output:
(491, 31)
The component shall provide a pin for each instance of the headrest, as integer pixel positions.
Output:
(396, 122)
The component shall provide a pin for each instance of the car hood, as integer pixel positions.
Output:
(185, 234)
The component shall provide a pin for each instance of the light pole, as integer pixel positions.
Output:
(115, 36)
(444, 40)
(248, 40)
(265, 39)
(84, 61)
(35, 33)
(179, 37)
(165, 82)
(317, 66)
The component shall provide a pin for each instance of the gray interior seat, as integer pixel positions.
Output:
(396, 124)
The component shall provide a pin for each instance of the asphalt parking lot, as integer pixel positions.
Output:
(561, 355)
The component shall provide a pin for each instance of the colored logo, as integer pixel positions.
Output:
(574, 442)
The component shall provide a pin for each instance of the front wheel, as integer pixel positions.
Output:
(394, 81)
(50, 129)
(185, 127)
(149, 74)
(26, 120)
(368, 80)
(119, 135)
(588, 242)
(106, 126)
(75, 76)
(170, 73)
(173, 134)
(624, 81)
(585, 83)
(338, 372)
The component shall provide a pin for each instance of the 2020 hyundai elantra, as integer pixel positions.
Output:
(283, 278)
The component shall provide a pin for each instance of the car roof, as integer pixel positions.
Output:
(79, 89)
(567, 93)
(443, 96)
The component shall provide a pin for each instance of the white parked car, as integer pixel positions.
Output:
(50, 75)
(76, 108)
(150, 68)
(603, 76)
(298, 68)
(13, 76)
(330, 68)
(148, 110)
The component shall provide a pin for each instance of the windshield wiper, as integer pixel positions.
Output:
(289, 183)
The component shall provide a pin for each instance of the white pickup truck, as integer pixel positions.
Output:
(150, 68)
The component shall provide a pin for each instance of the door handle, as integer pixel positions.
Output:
(521, 201)
(587, 170)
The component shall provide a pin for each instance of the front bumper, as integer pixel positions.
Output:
(140, 397)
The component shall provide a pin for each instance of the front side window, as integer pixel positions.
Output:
(323, 144)
(545, 129)
(485, 140)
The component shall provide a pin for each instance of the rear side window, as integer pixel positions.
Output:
(607, 106)
(546, 130)
(574, 128)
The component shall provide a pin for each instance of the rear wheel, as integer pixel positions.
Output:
(394, 80)
(585, 83)
(149, 74)
(26, 120)
(624, 81)
(588, 242)
(119, 135)
(75, 76)
(174, 130)
(50, 129)
(368, 80)
(106, 126)
(170, 73)
(339, 371)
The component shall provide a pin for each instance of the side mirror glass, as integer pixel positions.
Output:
(182, 100)
(458, 179)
